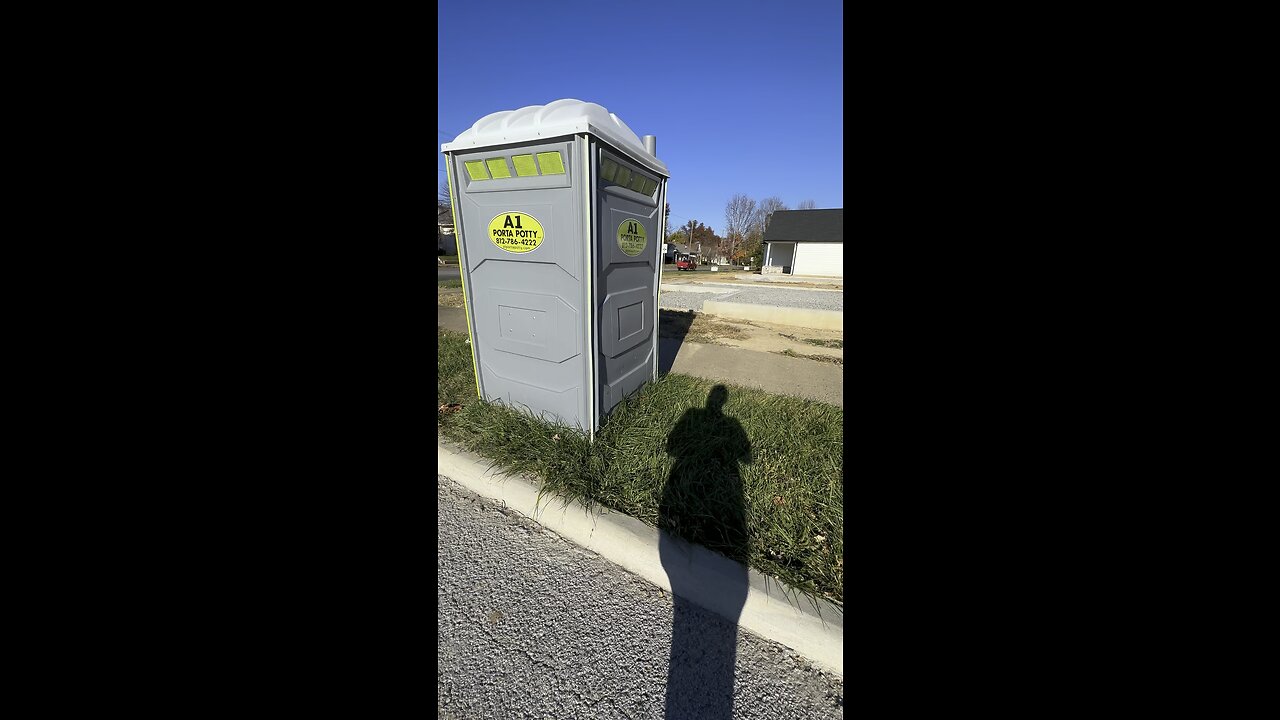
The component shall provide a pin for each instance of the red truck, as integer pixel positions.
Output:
(685, 261)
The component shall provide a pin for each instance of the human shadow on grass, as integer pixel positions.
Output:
(702, 503)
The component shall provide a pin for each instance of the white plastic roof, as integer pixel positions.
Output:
(556, 119)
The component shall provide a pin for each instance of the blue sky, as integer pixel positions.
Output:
(744, 97)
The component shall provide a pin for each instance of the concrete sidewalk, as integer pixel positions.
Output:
(777, 374)
(454, 319)
(770, 372)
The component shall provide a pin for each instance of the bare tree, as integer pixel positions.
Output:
(769, 206)
(807, 205)
(443, 198)
(740, 216)
(666, 213)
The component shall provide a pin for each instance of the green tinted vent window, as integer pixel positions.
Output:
(624, 176)
(649, 186)
(608, 169)
(524, 165)
(498, 166)
(637, 183)
(551, 163)
(475, 169)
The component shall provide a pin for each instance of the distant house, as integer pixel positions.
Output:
(669, 251)
(806, 242)
(446, 239)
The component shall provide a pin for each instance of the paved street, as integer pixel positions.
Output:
(447, 272)
(532, 626)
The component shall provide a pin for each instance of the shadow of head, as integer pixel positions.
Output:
(717, 398)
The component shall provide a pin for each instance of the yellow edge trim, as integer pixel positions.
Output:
(462, 270)
(657, 304)
(591, 268)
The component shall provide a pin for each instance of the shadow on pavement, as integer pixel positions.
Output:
(673, 326)
(702, 502)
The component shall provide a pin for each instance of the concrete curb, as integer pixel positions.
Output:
(816, 279)
(799, 317)
(632, 545)
(678, 287)
(682, 286)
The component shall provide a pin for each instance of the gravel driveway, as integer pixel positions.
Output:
(685, 300)
(778, 297)
(785, 297)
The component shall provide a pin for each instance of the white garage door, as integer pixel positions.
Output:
(826, 259)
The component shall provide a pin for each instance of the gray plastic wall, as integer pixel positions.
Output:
(568, 329)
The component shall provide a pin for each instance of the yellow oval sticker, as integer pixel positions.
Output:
(632, 237)
(516, 232)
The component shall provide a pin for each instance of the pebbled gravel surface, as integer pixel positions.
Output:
(786, 297)
(685, 300)
(533, 626)
(779, 297)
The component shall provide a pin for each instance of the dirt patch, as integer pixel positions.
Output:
(807, 356)
(820, 342)
(697, 327)
(689, 326)
(449, 297)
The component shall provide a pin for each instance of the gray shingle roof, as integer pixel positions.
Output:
(806, 226)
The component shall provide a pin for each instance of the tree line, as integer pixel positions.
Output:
(745, 221)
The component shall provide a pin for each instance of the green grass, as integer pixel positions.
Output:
(450, 282)
(790, 497)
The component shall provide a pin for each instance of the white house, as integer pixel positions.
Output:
(446, 241)
(806, 242)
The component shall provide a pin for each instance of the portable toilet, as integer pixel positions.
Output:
(558, 211)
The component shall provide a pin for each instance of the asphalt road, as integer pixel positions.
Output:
(532, 626)
(447, 272)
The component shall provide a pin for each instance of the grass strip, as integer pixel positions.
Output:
(785, 488)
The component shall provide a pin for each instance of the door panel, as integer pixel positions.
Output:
(527, 308)
(626, 283)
